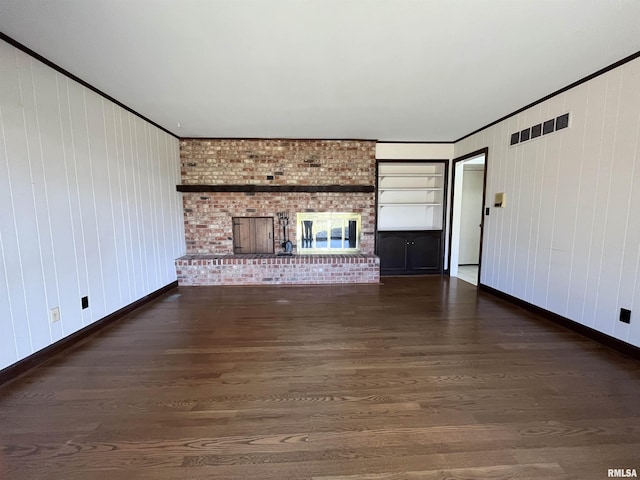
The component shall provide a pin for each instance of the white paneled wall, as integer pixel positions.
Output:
(569, 237)
(88, 206)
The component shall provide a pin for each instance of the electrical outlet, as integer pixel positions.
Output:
(54, 314)
(625, 315)
(85, 302)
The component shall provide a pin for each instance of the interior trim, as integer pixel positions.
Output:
(608, 341)
(557, 92)
(66, 73)
(49, 353)
(483, 151)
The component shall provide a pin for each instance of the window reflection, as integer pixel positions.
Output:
(321, 239)
(350, 237)
(328, 232)
(337, 233)
(307, 233)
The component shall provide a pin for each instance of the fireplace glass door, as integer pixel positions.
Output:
(326, 232)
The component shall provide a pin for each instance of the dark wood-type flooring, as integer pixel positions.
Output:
(418, 378)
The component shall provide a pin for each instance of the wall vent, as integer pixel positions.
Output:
(540, 129)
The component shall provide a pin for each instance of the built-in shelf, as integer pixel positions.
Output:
(410, 195)
(277, 188)
(410, 206)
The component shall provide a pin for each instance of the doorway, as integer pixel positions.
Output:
(467, 219)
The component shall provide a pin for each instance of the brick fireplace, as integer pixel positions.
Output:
(227, 178)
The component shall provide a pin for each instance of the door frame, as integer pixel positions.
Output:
(483, 151)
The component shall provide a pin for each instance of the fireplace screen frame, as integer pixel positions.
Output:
(310, 227)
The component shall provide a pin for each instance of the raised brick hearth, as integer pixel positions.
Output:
(205, 269)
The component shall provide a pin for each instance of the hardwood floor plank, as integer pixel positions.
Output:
(420, 378)
(498, 472)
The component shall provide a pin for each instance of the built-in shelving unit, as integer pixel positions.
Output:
(410, 216)
(410, 196)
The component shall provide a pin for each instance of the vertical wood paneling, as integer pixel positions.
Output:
(502, 216)
(42, 333)
(100, 274)
(566, 210)
(126, 195)
(50, 191)
(146, 241)
(27, 228)
(82, 204)
(151, 246)
(68, 234)
(537, 221)
(511, 215)
(582, 221)
(490, 250)
(115, 203)
(618, 190)
(545, 212)
(599, 251)
(12, 123)
(571, 242)
(8, 347)
(524, 208)
(586, 227)
(104, 272)
(624, 227)
(9, 292)
(139, 280)
(159, 205)
(87, 206)
(561, 225)
(155, 205)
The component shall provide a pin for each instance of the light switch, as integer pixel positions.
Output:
(500, 200)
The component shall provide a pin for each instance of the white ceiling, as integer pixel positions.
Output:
(411, 70)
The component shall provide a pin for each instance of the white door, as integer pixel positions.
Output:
(471, 215)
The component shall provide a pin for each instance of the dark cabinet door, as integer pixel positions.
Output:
(410, 253)
(392, 250)
(424, 251)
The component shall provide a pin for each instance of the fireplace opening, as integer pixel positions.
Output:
(328, 232)
(315, 233)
